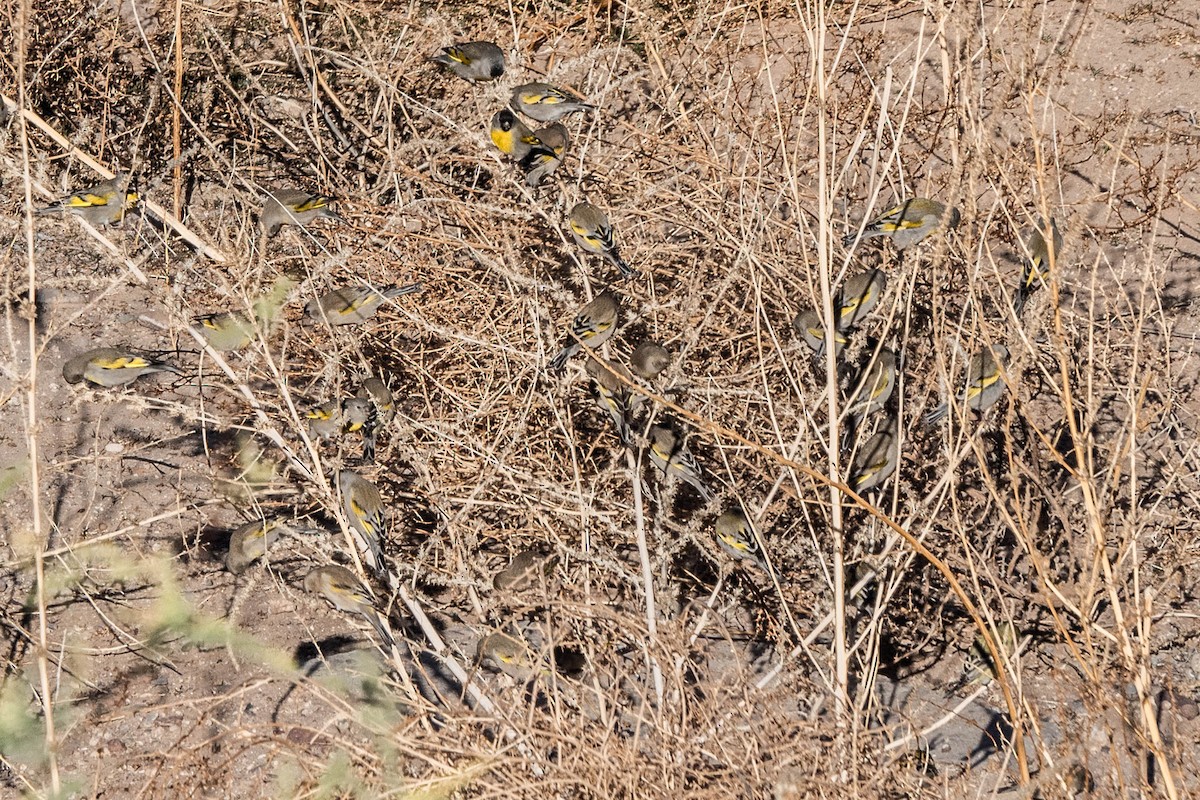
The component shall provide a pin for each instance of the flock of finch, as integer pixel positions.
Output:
(538, 152)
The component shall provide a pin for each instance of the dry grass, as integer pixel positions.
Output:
(732, 159)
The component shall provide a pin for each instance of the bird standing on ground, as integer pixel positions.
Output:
(324, 420)
(858, 297)
(346, 592)
(874, 385)
(112, 366)
(649, 359)
(226, 330)
(250, 542)
(811, 328)
(877, 460)
(542, 162)
(514, 138)
(524, 571)
(507, 654)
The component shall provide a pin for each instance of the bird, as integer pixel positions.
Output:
(523, 571)
(811, 328)
(592, 232)
(514, 138)
(381, 409)
(737, 537)
(859, 295)
(101, 205)
(295, 207)
(346, 592)
(507, 654)
(979, 667)
(649, 359)
(593, 325)
(375, 390)
(612, 394)
(874, 385)
(353, 304)
(907, 223)
(356, 414)
(1037, 268)
(671, 456)
(875, 462)
(226, 330)
(984, 385)
(250, 542)
(541, 162)
(473, 61)
(324, 420)
(112, 366)
(545, 103)
(363, 507)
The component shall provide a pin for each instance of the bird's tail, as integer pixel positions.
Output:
(400, 291)
(935, 416)
(618, 262)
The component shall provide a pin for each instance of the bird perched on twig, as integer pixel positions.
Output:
(669, 453)
(1040, 258)
(295, 207)
(353, 304)
(473, 61)
(907, 223)
(736, 536)
(363, 507)
(382, 410)
(545, 103)
(346, 592)
(100, 205)
(592, 231)
(984, 384)
(612, 394)
(594, 325)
